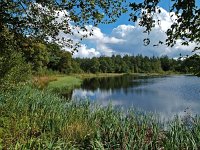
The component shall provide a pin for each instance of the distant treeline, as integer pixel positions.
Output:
(21, 57)
(50, 56)
(127, 64)
(63, 62)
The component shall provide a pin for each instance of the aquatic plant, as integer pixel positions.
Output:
(34, 119)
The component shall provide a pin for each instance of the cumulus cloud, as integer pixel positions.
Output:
(99, 39)
(84, 52)
(128, 39)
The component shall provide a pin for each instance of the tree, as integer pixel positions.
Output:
(165, 63)
(192, 64)
(35, 53)
(156, 64)
(13, 68)
(104, 66)
(185, 27)
(54, 56)
(65, 63)
(94, 65)
(46, 18)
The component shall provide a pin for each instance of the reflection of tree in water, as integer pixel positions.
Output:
(113, 83)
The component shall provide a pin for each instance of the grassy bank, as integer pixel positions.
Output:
(34, 119)
(70, 81)
(92, 75)
(62, 84)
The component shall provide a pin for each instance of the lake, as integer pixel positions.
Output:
(166, 95)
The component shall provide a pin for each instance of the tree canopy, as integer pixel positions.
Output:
(45, 18)
(186, 26)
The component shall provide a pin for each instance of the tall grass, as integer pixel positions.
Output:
(60, 84)
(33, 119)
(65, 82)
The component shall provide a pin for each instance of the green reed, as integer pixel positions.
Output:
(34, 119)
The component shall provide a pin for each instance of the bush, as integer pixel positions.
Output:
(13, 68)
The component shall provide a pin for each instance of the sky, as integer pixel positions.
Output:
(125, 37)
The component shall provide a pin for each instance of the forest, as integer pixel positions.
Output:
(39, 56)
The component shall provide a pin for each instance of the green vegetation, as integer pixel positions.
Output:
(13, 68)
(64, 81)
(92, 75)
(64, 84)
(20, 59)
(60, 84)
(129, 64)
(21, 17)
(34, 119)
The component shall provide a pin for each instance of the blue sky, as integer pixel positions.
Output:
(125, 37)
(125, 17)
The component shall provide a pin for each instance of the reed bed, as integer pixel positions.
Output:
(34, 119)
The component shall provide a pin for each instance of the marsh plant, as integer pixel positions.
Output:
(34, 119)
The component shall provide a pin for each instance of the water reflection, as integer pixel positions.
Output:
(165, 95)
(114, 83)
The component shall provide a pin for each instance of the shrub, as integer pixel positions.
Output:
(13, 68)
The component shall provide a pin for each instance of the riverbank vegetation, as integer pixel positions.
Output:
(35, 119)
(29, 56)
(33, 116)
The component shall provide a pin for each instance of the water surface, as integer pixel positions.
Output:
(166, 96)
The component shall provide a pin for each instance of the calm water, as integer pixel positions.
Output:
(166, 96)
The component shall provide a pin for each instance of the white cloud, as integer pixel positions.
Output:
(165, 19)
(99, 39)
(84, 52)
(128, 39)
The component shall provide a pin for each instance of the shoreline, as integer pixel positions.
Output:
(73, 80)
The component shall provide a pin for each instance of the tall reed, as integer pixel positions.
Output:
(34, 119)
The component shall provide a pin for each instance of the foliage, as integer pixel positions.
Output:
(64, 85)
(186, 24)
(119, 64)
(45, 18)
(42, 82)
(166, 63)
(192, 64)
(25, 25)
(138, 64)
(35, 53)
(185, 27)
(32, 119)
(13, 68)
(61, 60)
(66, 82)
